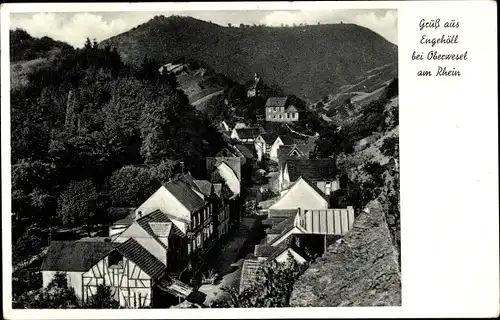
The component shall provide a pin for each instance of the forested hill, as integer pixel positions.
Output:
(88, 131)
(308, 61)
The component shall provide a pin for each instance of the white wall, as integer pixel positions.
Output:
(282, 258)
(163, 200)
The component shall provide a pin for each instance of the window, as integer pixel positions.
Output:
(287, 115)
(274, 117)
(281, 116)
(115, 259)
(328, 188)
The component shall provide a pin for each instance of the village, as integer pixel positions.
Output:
(264, 197)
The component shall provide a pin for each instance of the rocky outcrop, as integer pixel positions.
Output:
(359, 270)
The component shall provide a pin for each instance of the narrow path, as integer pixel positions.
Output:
(300, 134)
(206, 98)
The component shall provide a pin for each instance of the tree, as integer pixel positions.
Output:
(229, 25)
(131, 185)
(102, 299)
(390, 147)
(57, 295)
(26, 247)
(78, 203)
(272, 287)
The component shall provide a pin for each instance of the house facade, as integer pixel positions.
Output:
(281, 140)
(278, 109)
(185, 208)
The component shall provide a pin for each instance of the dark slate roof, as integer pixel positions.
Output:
(273, 221)
(204, 186)
(155, 217)
(276, 102)
(233, 162)
(136, 253)
(75, 255)
(266, 250)
(312, 169)
(183, 192)
(312, 185)
(248, 133)
(282, 227)
(249, 273)
(245, 150)
(287, 140)
(269, 138)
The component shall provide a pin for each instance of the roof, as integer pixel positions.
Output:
(266, 251)
(249, 273)
(287, 140)
(326, 221)
(280, 250)
(183, 192)
(245, 150)
(156, 217)
(204, 186)
(276, 102)
(312, 169)
(284, 152)
(233, 162)
(248, 133)
(283, 227)
(136, 253)
(269, 138)
(291, 109)
(312, 185)
(74, 255)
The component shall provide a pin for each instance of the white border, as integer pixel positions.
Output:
(449, 198)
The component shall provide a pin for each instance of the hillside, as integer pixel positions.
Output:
(27, 54)
(308, 61)
(348, 101)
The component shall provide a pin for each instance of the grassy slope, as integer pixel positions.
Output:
(309, 61)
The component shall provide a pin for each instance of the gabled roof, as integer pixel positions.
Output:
(136, 253)
(326, 221)
(157, 217)
(183, 192)
(232, 162)
(249, 273)
(248, 133)
(312, 169)
(282, 213)
(269, 138)
(204, 186)
(312, 185)
(276, 102)
(245, 150)
(282, 227)
(292, 108)
(74, 255)
(287, 140)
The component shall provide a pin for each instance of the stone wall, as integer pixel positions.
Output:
(359, 270)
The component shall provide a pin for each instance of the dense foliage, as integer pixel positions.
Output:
(86, 123)
(271, 288)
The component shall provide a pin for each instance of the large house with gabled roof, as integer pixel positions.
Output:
(280, 109)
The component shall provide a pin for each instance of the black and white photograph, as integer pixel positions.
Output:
(204, 159)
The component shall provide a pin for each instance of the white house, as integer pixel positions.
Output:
(281, 140)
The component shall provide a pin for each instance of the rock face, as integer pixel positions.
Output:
(360, 270)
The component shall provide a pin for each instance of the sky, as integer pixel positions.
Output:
(75, 27)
